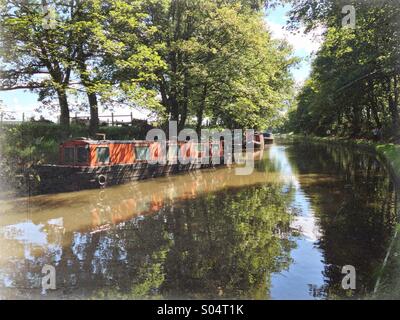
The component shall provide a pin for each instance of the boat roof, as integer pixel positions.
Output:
(92, 141)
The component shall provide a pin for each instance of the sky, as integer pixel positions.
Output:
(20, 101)
(304, 45)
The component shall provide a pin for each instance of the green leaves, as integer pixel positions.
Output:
(355, 77)
(186, 60)
(221, 64)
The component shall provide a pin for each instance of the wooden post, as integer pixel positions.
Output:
(112, 118)
(131, 118)
(23, 116)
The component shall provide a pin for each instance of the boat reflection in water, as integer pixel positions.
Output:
(206, 234)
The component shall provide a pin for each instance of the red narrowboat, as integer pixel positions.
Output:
(85, 163)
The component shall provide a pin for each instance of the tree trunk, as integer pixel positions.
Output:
(87, 83)
(64, 111)
(183, 117)
(199, 116)
(94, 113)
(375, 114)
(369, 122)
(356, 122)
(396, 104)
(185, 104)
(200, 110)
(393, 105)
(374, 103)
(182, 120)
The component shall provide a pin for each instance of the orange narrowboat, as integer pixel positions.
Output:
(85, 163)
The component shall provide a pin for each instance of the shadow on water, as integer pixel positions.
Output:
(282, 232)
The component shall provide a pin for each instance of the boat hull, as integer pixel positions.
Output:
(59, 178)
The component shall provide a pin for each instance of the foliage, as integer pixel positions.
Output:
(183, 59)
(222, 64)
(74, 54)
(354, 85)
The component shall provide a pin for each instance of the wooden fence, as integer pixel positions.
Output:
(4, 120)
(110, 120)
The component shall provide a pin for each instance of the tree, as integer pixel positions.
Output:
(354, 84)
(35, 55)
(183, 59)
(221, 63)
(112, 54)
(88, 46)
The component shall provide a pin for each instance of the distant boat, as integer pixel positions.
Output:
(268, 138)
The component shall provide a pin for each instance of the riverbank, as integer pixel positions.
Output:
(387, 285)
(389, 151)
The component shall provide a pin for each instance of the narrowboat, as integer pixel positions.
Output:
(87, 164)
(268, 138)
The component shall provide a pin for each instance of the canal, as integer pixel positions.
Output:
(283, 232)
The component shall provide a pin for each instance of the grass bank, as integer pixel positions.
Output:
(388, 282)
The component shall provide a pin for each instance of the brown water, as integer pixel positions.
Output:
(283, 232)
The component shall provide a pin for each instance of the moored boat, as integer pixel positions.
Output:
(85, 163)
(268, 138)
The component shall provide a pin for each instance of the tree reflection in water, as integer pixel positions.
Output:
(356, 212)
(224, 245)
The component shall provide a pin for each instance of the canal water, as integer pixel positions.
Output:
(283, 232)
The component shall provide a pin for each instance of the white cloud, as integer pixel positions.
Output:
(303, 44)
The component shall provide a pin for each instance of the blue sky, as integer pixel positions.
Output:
(304, 45)
(20, 101)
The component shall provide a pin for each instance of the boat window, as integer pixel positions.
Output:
(81, 155)
(69, 155)
(142, 153)
(103, 154)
